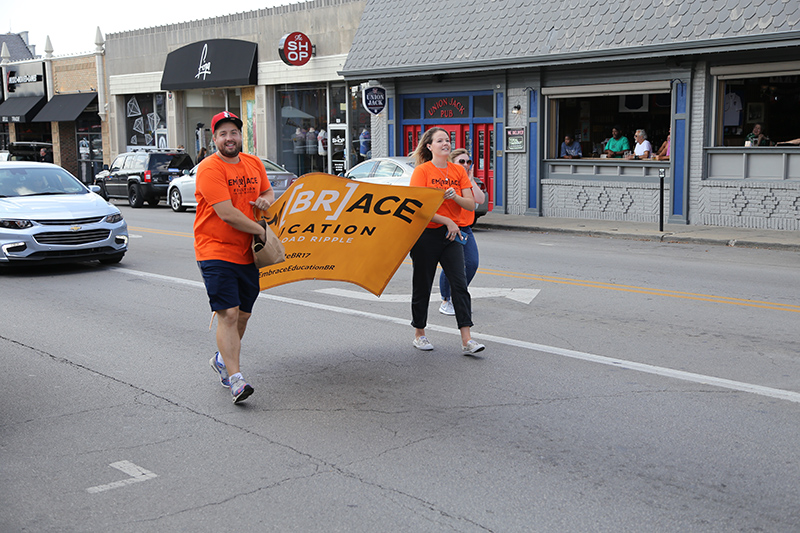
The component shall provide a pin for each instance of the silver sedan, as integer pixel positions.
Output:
(48, 216)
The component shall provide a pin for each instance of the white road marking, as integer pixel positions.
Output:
(137, 474)
(573, 354)
(524, 296)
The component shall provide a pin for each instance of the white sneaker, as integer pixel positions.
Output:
(472, 347)
(422, 343)
(447, 308)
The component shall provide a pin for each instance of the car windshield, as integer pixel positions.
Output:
(33, 181)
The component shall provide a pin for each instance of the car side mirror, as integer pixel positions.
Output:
(105, 167)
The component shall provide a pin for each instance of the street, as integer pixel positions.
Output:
(626, 386)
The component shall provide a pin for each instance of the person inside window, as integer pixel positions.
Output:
(618, 144)
(663, 152)
(643, 148)
(757, 137)
(570, 149)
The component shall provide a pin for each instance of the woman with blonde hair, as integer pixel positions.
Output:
(441, 242)
(471, 258)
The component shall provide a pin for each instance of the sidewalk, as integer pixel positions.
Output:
(680, 233)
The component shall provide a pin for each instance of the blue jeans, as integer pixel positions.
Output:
(470, 263)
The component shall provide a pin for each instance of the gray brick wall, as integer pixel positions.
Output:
(610, 200)
(743, 204)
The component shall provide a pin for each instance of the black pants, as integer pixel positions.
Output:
(433, 248)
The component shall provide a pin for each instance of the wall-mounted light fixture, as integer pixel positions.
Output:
(517, 109)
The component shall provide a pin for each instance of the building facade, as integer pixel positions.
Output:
(58, 100)
(167, 82)
(509, 80)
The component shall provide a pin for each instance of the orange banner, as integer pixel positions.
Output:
(339, 229)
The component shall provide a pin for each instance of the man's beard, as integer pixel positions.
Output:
(230, 151)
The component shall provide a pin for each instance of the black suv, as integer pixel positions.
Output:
(142, 176)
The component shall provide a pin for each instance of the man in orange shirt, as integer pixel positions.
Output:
(229, 185)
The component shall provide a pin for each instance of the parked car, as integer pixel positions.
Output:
(142, 176)
(26, 150)
(397, 171)
(48, 216)
(383, 171)
(181, 190)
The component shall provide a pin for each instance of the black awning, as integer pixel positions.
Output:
(21, 108)
(209, 64)
(65, 107)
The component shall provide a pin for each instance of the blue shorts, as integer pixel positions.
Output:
(230, 284)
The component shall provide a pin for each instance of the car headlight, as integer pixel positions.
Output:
(113, 219)
(15, 224)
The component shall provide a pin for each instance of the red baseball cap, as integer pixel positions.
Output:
(221, 117)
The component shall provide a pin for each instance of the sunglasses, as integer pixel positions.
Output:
(464, 161)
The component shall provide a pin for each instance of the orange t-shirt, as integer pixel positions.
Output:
(218, 181)
(428, 175)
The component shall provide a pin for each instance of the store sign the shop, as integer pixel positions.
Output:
(451, 107)
(374, 99)
(295, 49)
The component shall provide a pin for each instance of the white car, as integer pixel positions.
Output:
(48, 216)
(397, 171)
(383, 171)
(180, 193)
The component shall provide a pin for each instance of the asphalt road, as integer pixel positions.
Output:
(626, 386)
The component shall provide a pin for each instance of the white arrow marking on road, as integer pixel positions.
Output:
(137, 474)
(524, 296)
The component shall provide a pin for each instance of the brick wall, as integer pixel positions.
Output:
(74, 75)
(67, 146)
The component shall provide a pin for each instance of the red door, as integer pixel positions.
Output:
(411, 135)
(459, 134)
(483, 158)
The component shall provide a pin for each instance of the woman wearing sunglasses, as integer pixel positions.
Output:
(461, 158)
(438, 243)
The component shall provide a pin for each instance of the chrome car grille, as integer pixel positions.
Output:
(72, 237)
(70, 221)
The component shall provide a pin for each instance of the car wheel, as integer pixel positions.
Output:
(135, 197)
(175, 201)
(152, 202)
(112, 259)
(103, 191)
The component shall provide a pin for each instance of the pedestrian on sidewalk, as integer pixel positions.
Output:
(471, 258)
(438, 245)
(229, 184)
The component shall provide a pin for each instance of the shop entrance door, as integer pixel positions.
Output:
(483, 158)
(459, 134)
(411, 136)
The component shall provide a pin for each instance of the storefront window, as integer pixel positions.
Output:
(484, 105)
(302, 110)
(412, 109)
(360, 128)
(145, 120)
(590, 120)
(772, 102)
(338, 104)
(90, 144)
(201, 105)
